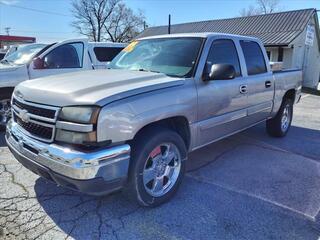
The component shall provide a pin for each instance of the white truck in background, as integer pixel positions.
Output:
(39, 60)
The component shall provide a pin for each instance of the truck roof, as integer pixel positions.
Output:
(201, 35)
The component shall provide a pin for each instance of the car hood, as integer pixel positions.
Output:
(93, 87)
(6, 67)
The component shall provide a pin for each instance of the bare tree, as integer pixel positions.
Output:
(91, 16)
(124, 24)
(106, 19)
(263, 7)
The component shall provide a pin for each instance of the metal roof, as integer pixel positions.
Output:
(273, 29)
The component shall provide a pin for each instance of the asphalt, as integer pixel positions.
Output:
(248, 186)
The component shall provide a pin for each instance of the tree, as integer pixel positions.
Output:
(263, 7)
(106, 20)
(124, 24)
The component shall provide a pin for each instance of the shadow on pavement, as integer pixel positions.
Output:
(234, 190)
(2, 140)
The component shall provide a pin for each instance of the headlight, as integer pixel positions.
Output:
(80, 114)
(76, 137)
(77, 125)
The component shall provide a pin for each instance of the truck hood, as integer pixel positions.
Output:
(93, 87)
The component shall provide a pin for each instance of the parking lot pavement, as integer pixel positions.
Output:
(249, 186)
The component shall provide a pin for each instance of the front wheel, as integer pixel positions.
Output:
(157, 167)
(5, 111)
(280, 124)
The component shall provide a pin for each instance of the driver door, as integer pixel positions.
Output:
(63, 58)
(222, 104)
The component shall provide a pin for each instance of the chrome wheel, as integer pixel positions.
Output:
(286, 118)
(161, 169)
(5, 111)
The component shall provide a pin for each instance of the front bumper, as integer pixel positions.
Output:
(97, 172)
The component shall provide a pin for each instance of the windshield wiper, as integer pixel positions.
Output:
(4, 61)
(145, 70)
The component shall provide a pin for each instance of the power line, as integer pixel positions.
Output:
(37, 10)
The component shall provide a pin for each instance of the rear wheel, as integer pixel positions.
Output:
(5, 110)
(280, 124)
(157, 168)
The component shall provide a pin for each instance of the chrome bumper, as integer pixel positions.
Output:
(110, 163)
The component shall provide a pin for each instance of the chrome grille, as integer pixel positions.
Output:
(48, 113)
(36, 120)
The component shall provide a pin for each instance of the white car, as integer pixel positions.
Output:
(39, 60)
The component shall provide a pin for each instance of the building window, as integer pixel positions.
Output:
(269, 55)
(280, 54)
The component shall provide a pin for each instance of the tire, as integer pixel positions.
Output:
(276, 126)
(148, 155)
(5, 109)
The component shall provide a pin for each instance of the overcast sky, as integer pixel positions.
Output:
(49, 20)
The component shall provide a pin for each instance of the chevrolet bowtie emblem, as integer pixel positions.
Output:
(24, 116)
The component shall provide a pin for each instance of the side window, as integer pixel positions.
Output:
(254, 57)
(224, 52)
(65, 56)
(106, 54)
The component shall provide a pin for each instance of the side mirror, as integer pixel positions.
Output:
(220, 72)
(38, 63)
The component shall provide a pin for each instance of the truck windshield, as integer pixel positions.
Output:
(23, 54)
(171, 56)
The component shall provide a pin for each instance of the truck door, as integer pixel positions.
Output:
(68, 56)
(260, 81)
(222, 104)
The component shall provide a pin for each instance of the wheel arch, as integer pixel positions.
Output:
(179, 124)
(5, 90)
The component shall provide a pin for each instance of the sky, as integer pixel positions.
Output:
(53, 22)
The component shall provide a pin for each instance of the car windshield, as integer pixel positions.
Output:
(24, 54)
(171, 56)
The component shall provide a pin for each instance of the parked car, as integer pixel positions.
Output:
(2, 54)
(132, 126)
(39, 60)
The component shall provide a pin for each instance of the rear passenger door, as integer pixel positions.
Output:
(260, 82)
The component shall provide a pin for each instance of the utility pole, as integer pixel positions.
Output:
(7, 29)
(169, 24)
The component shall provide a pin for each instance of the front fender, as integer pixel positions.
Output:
(12, 76)
(121, 120)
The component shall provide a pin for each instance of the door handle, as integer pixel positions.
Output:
(268, 84)
(243, 89)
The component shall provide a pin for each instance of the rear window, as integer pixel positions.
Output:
(106, 54)
(254, 57)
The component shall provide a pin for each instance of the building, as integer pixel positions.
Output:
(291, 37)
(8, 40)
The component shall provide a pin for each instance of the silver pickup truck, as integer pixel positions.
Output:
(131, 126)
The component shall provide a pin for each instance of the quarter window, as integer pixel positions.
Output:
(65, 56)
(254, 57)
(106, 54)
(224, 52)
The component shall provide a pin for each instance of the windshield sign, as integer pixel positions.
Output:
(171, 56)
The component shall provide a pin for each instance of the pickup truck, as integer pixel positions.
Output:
(39, 60)
(131, 126)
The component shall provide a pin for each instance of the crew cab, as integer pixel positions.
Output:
(39, 60)
(132, 126)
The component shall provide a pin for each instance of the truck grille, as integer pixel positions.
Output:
(36, 120)
(48, 113)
